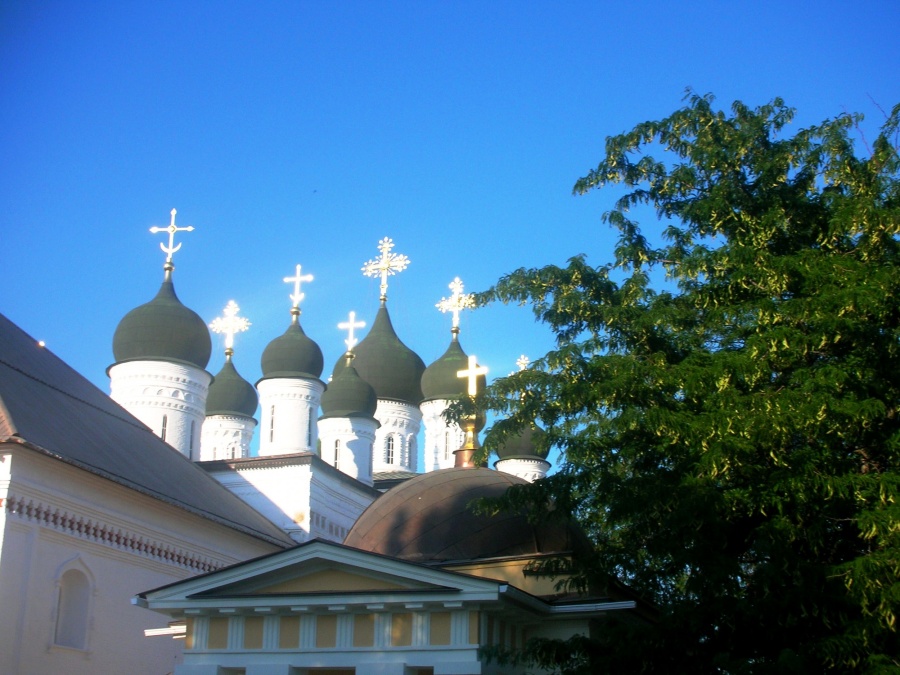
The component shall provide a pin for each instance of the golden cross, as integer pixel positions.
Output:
(297, 296)
(457, 302)
(230, 324)
(388, 264)
(349, 326)
(472, 373)
(171, 229)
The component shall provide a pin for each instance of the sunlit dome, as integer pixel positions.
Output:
(163, 330)
(292, 354)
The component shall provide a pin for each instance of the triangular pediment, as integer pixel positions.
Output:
(319, 572)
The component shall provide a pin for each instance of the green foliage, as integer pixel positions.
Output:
(730, 438)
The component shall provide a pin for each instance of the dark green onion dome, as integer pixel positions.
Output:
(348, 395)
(441, 380)
(292, 354)
(163, 330)
(231, 394)
(525, 444)
(392, 368)
(430, 518)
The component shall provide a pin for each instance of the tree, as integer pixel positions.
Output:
(730, 434)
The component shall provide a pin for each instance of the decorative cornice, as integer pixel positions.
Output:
(88, 529)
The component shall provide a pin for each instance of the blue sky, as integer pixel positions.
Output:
(304, 132)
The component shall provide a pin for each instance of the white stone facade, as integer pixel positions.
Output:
(170, 398)
(346, 444)
(396, 447)
(441, 438)
(226, 437)
(527, 468)
(289, 408)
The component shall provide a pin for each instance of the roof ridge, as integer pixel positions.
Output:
(128, 420)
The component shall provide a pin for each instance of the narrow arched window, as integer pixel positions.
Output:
(193, 428)
(337, 452)
(309, 427)
(165, 424)
(389, 450)
(272, 424)
(73, 606)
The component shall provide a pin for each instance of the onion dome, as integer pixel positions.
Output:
(163, 330)
(292, 354)
(441, 379)
(231, 394)
(392, 368)
(525, 444)
(348, 395)
(428, 519)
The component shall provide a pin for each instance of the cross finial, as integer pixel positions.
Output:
(472, 373)
(457, 302)
(297, 279)
(230, 324)
(350, 325)
(522, 362)
(171, 229)
(388, 264)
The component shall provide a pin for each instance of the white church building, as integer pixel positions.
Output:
(291, 562)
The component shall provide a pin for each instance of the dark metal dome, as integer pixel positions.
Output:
(163, 330)
(525, 444)
(348, 395)
(392, 368)
(231, 394)
(441, 381)
(428, 518)
(292, 354)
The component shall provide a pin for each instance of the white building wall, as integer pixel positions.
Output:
(57, 517)
(346, 444)
(441, 438)
(395, 441)
(289, 409)
(226, 437)
(170, 398)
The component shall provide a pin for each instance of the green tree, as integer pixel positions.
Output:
(729, 436)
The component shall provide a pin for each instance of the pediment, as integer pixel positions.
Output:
(319, 571)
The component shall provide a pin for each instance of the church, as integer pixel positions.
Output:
(137, 518)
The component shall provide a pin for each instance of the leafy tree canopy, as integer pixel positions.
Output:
(730, 438)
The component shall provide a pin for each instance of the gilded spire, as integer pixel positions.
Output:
(386, 265)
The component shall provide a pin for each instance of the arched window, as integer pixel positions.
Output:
(389, 449)
(165, 424)
(72, 610)
(309, 428)
(272, 424)
(337, 452)
(193, 428)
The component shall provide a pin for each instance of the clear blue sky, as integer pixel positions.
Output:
(304, 132)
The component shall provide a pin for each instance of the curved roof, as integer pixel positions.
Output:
(348, 395)
(392, 368)
(231, 394)
(526, 443)
(428, 519)
(292, 354)
(441, 380)
(163, 330)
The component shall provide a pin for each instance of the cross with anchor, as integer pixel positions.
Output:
(171, 229)
(297, 296)
(350, 326)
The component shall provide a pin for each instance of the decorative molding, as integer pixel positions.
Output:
(62, 520)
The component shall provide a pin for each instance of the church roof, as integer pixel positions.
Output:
(163, 330)
(48, 407)
(292, 354)
(392, 368)
(441, 379)
(348, 395)
(429, 519)
(231, 394)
